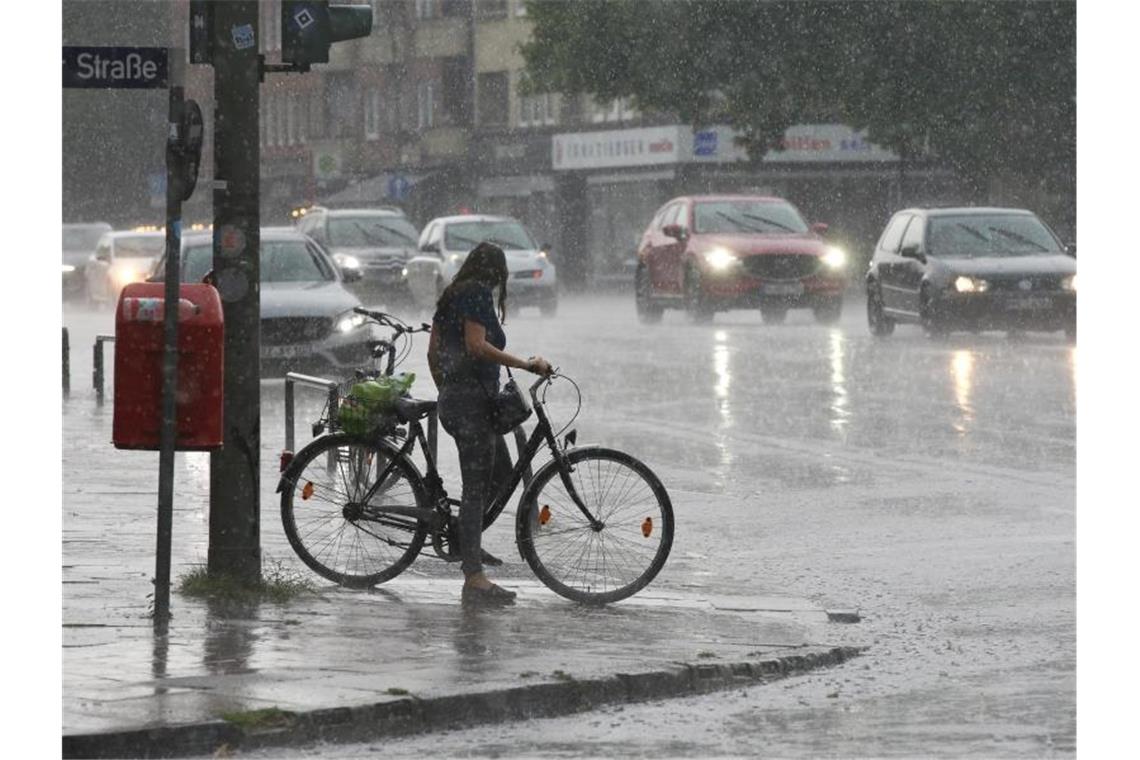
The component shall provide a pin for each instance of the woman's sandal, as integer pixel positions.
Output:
(493, 596)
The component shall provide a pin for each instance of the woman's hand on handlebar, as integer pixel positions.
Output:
(539, 366)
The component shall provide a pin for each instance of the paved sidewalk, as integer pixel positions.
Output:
(406, 640)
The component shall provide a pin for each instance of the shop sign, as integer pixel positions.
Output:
(620, 147)
(826, 142)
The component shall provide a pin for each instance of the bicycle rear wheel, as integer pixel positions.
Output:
(331, 510)
(596, 566)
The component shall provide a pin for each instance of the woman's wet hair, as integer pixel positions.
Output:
(486, 264)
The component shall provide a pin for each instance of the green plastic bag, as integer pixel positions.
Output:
(369, 402)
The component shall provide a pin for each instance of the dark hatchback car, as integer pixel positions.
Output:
(710, 253)
(307, 322)
(971, 269)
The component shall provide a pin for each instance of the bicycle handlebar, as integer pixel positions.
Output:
(389, 321)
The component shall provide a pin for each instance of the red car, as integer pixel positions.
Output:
(708, 253)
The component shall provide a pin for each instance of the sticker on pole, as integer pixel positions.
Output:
(231, 240)
(243, 36)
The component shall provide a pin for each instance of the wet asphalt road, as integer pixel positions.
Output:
(928, 483)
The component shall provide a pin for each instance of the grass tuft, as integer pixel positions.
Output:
(277, 584)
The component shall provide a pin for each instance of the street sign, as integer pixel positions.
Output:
(114, 67)
(399, 187)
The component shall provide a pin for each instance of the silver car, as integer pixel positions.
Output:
(121, 258)
(79, 241)
(377, 241)
(446, 241)
(307, 322)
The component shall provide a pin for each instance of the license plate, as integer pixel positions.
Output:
(782, 289)
(284, 352)
(1031, 302)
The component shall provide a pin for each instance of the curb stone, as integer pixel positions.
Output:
(414, 715)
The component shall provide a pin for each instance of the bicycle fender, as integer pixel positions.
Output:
(289, 475)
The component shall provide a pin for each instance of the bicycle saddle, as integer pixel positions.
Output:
(408, 409)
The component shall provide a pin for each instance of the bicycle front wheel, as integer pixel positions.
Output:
(332, 506)
(592, 564)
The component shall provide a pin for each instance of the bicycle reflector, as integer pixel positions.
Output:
(307, 491)
(647, 527)
(286, 458)
(544, 515)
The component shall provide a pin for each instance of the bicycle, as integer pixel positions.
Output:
(594, 524)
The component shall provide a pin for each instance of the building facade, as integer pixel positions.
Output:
(427, 114)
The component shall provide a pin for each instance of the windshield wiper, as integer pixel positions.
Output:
(1019, 238)
(739, 223)
(768, 221)
(507, 244)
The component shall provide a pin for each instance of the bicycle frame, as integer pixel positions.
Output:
(542, 434)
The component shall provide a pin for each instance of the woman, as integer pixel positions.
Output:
(464, 354)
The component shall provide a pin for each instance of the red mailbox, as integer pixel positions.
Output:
(139, 348)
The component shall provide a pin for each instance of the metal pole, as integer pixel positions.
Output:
(171, 292)
(66, 364)
(97, 370)
(289, 397)
(234, 470)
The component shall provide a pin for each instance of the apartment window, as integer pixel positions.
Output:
(290, 120)
(299, 104)
(456, 94)
(520, 7)
(491, 9)
(425, 105)
(536, 110)
(341, 104)
(372, 115)
(618, 109)
(316, 108)
(425, 9)
(494, 97)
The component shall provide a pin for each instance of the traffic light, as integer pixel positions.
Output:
(309, 27)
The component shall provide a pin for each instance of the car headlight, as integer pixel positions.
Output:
(344, 261)
(720, 259)
(68, 269)
(125, 275)
(971, 285)
(835, 258)
(455, 258)
(350, 321)
(1070, 283)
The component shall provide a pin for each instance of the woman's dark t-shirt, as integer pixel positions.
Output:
(471, 300)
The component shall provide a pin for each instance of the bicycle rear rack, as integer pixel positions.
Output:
(331, 388)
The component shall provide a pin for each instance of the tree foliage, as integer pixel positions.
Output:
(988, 87)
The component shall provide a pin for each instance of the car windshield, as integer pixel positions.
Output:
(508, 235)
(989, 235)
(141, 247)
(377, 231)
(281, 261)
(82, 237)
(763, 217)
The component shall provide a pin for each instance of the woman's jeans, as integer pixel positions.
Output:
(484, 463)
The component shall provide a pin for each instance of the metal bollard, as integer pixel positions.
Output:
(66, 364)
(97, 360)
